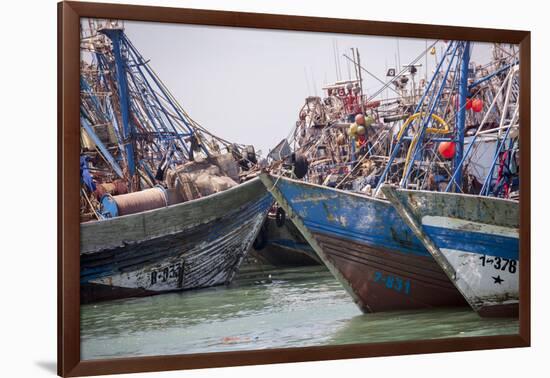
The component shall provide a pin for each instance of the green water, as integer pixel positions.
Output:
(296, 307)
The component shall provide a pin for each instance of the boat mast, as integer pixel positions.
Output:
(360, 78)
(115, 36)
(461, 114)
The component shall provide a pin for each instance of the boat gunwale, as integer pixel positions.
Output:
(341, 191)
(143, 235)
(429, 200)
(360, 195)
(189, 203)
(454, 194)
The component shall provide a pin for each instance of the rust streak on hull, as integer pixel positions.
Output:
(367, 269)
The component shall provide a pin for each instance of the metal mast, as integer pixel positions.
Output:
(115, 35)
(461, 114)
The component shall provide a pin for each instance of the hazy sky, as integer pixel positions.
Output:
(248, 85)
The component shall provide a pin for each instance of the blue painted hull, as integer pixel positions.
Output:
(475, 242)
(367, 246)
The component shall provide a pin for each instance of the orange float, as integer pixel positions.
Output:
(447, 149)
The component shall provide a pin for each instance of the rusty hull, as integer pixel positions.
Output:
(366, 246)
(387, 280)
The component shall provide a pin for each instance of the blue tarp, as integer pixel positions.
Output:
(85, 175)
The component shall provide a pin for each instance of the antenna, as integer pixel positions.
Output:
(398, 54)
(360, 80)
(335, 58)
(426, 66)
(313, 82)
(338, 60)
(307, 81)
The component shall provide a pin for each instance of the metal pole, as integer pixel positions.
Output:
(418, 107)
(461, 116)
(458, 167)
(104, 151)
(434, 103)
(487, 183)
(360, 81)
(115, 36)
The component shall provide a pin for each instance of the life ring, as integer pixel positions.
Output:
(280, 217)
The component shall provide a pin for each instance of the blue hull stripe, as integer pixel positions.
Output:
(379, 241)
(476, 242)
(378, 225)
(346, 217)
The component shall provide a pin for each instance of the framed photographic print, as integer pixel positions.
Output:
(239, 188)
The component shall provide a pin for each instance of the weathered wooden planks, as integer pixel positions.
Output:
(136, 228)
(192, 253)
(474, 239)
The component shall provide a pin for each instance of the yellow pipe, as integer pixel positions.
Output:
(431, 130)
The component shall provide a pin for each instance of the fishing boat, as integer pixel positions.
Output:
(279, 243)
(163, 207)
(366, 245)
(195, 244)
(475, 239)
(417, 144)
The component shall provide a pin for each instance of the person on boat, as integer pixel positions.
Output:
(508, 170)
(85, 175)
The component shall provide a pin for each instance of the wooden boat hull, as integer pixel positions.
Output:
(474, 239)
(283, 245)
(191, 245)
(367, 246)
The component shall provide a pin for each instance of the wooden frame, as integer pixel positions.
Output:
(69, 13)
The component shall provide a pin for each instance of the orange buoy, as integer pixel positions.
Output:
(447, 149)
(477, 105)
(360, 119)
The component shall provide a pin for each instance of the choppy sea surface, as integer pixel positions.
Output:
(263, 308)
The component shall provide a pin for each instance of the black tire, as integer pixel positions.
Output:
(251, 154)
(301, 166)
(280, 217)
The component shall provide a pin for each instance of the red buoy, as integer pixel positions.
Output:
(447, 149)
(468, 103)
(477, 105)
